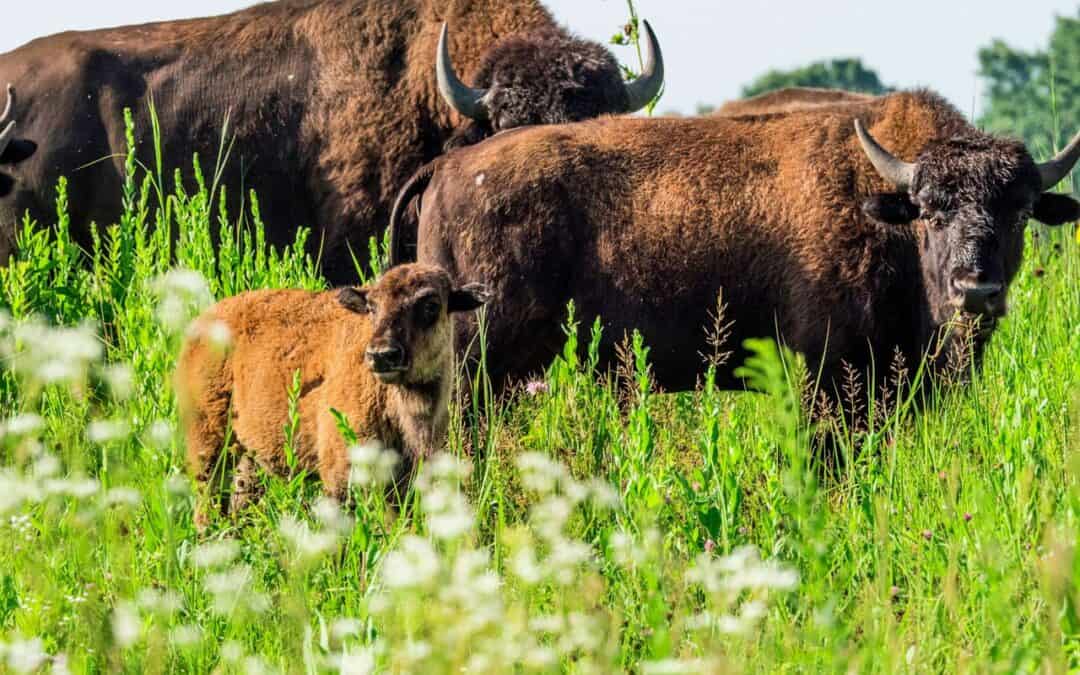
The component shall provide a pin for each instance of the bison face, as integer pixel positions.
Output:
(409, 307)
(544, 78)
(972, 198)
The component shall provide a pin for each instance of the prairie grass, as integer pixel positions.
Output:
(585, 524)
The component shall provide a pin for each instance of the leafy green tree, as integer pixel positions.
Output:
(848, 74)
(1034, 95)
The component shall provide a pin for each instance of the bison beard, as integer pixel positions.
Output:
(332, 105)
(642, 223)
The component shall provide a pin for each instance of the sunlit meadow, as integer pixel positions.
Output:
(587, 523)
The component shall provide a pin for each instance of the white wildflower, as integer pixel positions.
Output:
(345, 627)
(185, 635)
(126, 626)
(159, 434)
(525, 566)
(120, 379)
(230, 589)
(331, 515)
(415, 563)
(372, 464)
(159, 602)
(26, 656)
(77, 487)
(443, 468)
(307, 543)
(416, 651)
(232, 651)
(565, 560)
(106, 431)
(52, 354)
(449, 516)
(125, 496)
(550, 516)
(359, 662)
(178, 485)
(602, 494)
(216, 553)
(24, 424)
(181, 295)
(540, 472)
(46, 466)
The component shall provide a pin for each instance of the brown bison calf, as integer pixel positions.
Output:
(380, 354)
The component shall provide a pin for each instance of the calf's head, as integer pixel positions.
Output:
(409, 307)
(544, 78)
(975, 195)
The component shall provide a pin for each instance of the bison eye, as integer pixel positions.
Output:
(429, 312)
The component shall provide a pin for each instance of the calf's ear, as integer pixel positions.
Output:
(354, 299)
(468, 297)
(1056, 209)
(894, 208)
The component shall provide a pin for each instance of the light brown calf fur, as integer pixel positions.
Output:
(337, 341)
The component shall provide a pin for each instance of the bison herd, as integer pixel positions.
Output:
(856, 229)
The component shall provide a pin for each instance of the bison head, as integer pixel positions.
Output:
(975, 195)
(410, 307)
(544, 78)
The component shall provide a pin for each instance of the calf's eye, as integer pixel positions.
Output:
(429, 312)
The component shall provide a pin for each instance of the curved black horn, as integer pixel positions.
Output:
(896, 171)
(464, 99)
(644, 89)
(1056, 169)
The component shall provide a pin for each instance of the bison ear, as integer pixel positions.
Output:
(894, 208)
(468, 297)
(1056, 209)
(354, 299)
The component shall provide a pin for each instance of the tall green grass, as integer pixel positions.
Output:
(586, 524)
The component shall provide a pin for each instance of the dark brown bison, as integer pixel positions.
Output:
(332, 104)
(381, 355)
(811, 230)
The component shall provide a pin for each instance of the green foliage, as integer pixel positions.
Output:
(849, 74)
(1034, 95)
(605, 525)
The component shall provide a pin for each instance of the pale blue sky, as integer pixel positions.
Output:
(712, 47)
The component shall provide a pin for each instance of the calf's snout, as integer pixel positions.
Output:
(386, 357)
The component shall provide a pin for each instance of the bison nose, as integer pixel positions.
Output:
(981, 296)
(386, 358)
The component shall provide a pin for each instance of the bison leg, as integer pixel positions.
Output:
(246, 487)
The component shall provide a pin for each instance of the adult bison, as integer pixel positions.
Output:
(331, 105)
(809, 227)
